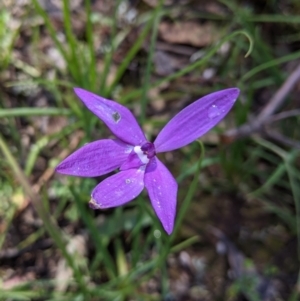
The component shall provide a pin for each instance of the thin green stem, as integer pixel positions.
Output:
(288, 159)
(18, 112)
(183, 210)
(296, 196)
(48, 221)
(144, 98)
(109, 54)
(92, 70)
(290, 57)
(71, 40)
(53, 35)
(185, 244)
(101, 247)
(187, 201)
(129, 56)
(43, 142)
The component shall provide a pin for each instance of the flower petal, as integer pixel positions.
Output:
(136, 159)
(117, 117)
(132, 161)
(162, 190)
(95, 159)
(118, 189)
(195, 120)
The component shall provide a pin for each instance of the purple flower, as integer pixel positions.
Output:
(136, 157)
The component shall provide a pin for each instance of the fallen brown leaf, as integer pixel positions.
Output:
(188, 32)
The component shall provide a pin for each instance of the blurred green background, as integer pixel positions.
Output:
(237, 233)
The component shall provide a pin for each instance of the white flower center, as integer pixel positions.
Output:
(141, 155)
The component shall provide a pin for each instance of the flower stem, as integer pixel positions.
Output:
(187, 201)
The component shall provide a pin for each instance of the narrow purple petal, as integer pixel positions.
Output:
(117, 117)
(132, 161)
(195, 120)
(162, 190)
(95, 159)
(118, 189)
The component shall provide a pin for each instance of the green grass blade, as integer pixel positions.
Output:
(144, 97)
(192, 66)
(29, 112)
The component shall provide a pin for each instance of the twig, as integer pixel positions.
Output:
(269, 129)
(283, 115)
(282, 139)
(275, 102)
